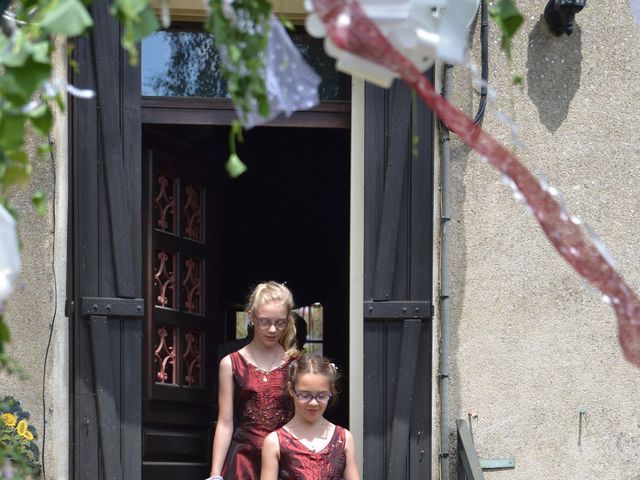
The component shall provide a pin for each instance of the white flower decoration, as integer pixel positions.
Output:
(422, 30)
(9, 253)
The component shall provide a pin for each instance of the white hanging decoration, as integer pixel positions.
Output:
(422, 30)
(9, 254)
(290, 82)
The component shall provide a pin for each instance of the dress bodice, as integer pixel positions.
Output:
(261, 401)
(298, 462)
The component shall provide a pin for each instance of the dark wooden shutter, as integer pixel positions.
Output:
(397, 288)
(106, 253)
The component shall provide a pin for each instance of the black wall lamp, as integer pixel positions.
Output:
(559, 14)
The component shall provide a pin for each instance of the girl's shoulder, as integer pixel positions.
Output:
(232, 362)
(272, 440)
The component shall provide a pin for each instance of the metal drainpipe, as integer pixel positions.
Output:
(445, 217)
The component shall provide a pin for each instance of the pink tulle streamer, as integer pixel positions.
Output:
(351, 30)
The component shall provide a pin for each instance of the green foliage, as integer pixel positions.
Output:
(68, 17)
(138, 20)
(508, 18)
(518, 80)
(241, 30)
(19, 452)
(39, 201)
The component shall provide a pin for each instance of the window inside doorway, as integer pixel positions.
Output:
(183, 62)
(309, 325)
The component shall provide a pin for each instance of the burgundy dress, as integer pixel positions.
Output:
(298, 462)
(260, 407)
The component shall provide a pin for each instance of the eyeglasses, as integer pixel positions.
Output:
(306, 397)
(265, 323)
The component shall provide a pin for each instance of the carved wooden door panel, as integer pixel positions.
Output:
(179, 364)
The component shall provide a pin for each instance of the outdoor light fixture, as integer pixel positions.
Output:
(559, 14)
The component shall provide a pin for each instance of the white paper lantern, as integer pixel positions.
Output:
(422, 30)
(9, 253)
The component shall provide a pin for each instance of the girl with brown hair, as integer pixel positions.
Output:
(309, 447)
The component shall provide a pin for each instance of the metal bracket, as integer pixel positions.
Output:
(112, 307)
(397, 310)
(497, 463)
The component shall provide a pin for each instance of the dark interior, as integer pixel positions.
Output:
(285, 219)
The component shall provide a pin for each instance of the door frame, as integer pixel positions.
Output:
(356, 270)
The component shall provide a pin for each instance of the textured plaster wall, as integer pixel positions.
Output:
(37, 304)
(531, 343)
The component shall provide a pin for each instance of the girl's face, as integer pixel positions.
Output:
(270, 320)
(310, 394)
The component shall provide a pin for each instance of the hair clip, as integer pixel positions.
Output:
(334, 366)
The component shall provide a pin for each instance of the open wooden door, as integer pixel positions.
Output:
(105, 302)
(181, 255)
(398, 285)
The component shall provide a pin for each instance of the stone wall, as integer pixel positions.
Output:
(35, 310)
(532, 345)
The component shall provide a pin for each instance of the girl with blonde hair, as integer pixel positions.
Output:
(252, 385)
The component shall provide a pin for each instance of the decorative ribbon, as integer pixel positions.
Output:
(351, 30)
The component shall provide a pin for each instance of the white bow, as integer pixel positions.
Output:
(9, 253)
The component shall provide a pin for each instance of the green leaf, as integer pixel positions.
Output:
(68, 17)
(41, 119)
(234, 166)
(234, 53)
(11, 131)
(130, 9)
(19, 84)
(286, 23)
(39, 201)
(18, 169)
(15, 57)
(43, 149)
(5, 335)
(40, 52)
(518, 80)
(146, 24)
(508, 18)
(137, 28)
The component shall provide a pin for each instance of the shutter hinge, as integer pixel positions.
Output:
(112, 307)
(390, 310)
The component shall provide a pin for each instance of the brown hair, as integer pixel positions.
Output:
(269, 292)
(314, 363)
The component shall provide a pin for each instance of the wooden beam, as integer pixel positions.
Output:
(194, 11)
(399, 447)
(104, 387)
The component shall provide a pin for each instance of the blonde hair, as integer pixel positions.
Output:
(314, 363)
(274, 292)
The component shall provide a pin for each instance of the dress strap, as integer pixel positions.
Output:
(238, 363)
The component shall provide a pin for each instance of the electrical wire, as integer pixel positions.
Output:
(484, 52)
(53, 321)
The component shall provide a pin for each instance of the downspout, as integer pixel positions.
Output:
(445, 219)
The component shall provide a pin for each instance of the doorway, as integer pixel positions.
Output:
(286, 219)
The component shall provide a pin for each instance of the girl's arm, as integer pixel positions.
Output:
(270, 457)
(224, 426)
(351, 470)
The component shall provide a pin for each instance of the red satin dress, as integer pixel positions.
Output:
(298, 462)
(260, 408)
